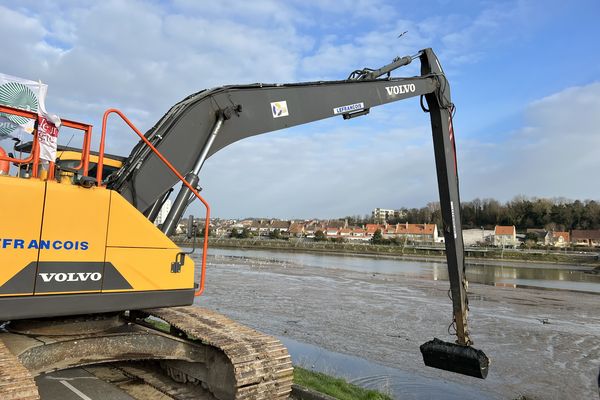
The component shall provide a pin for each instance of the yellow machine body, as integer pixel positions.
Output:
(70, 250)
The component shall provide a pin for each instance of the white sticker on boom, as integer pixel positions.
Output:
(453, 218)
(279, 109)
(348, 108)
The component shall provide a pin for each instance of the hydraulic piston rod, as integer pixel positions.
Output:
(182, 200)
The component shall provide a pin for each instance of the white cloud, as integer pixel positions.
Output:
(555, 154)
(146, 59)
(143, 57)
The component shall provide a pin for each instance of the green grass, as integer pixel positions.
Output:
(335, 387)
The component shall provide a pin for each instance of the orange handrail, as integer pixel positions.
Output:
(33, 157)
(85, 149)
(24, 160)
(168, 164)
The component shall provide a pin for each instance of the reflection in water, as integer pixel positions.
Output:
(397, 383)
(530, 275)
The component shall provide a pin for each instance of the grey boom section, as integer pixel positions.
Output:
(183, 132)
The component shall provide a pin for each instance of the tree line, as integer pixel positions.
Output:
(558, 214)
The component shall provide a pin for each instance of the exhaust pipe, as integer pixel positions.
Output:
(455, 358)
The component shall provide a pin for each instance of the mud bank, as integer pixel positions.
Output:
(543, 344)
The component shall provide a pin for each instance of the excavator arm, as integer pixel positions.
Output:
(207, 121)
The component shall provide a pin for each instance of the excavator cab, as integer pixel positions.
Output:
(67, 167)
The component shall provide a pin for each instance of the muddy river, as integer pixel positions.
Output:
(364, 318)
(509, 273)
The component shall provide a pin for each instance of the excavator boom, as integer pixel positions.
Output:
(205, 122)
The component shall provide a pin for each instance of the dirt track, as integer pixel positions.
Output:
(543, 344)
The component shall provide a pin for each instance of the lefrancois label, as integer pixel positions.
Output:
(14, 243)
(348, 108)
(400, 89)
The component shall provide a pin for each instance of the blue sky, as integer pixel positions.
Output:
(525, 77)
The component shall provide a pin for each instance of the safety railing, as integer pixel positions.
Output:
(34, 156)
(171, 168)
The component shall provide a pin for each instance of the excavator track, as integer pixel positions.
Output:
(195, 354)
(162, 383)
(261, 364)
(15, 380)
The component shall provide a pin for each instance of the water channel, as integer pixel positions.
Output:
(399, 383)
(508, 274)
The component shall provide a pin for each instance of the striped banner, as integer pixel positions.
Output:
(19, 93)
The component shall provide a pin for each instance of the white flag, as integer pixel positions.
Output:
(23, 94)
(31, 96)
(47, 138)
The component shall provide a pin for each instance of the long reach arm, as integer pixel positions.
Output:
(207, 121)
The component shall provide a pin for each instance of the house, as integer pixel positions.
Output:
(372, 228)
(476, 236)
(388, 231)
(331, 232)
(181, 227)
(558, 239)
(297, 229)
(345, 232)
(359, 234)
(505, 236)
(259, 228)
(221, 230)
(587, 237)
(417, 232)
(381, 214)
(312, 227)
(283, 226)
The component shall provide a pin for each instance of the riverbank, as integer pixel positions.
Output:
(478, 256)
(544, 344)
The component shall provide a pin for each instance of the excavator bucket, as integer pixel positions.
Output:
(455, 358)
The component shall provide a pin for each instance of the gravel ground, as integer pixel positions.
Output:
(544, 344)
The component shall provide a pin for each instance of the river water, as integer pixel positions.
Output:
(395, 382)
(508, 274)
(270, 291)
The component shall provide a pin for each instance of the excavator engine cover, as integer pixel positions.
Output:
(455, 358)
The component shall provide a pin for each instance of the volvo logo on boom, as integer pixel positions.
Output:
(400, 89)
(70, 276)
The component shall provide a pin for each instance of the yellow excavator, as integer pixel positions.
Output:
(87, 278)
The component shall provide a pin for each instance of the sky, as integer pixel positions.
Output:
(525, 79)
